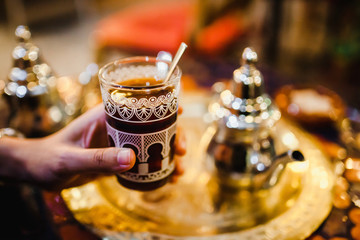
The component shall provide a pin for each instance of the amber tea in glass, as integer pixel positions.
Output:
(141, 113)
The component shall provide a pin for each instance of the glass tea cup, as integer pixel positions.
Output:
(141, 114)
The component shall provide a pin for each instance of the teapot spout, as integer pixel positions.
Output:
(280, 161)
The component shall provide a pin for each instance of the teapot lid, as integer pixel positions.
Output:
(246, 105)
(29, 75)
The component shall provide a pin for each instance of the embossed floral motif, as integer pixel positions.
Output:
(126, 113)
(161, 110)
(143, 108)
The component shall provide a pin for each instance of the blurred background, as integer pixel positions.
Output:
(298, 41)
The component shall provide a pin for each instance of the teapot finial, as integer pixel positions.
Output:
(29, 75)
(248, 80)
(22, 33)
(245, 105)
(249, 56)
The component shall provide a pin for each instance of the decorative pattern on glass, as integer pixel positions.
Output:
(148, 177)
(154, 108)
(142, 142)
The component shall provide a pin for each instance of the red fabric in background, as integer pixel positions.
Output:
(162, 26)
(149, 27)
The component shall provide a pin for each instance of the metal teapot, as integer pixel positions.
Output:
(242, 152)
(30, 97)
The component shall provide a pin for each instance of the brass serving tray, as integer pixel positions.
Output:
(196, 208)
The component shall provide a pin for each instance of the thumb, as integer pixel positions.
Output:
(102, 160)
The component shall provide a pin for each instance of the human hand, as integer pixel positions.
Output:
(74, 155)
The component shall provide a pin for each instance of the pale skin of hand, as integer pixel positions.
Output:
(70, 157)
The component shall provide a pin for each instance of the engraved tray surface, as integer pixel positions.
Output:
(196, 208)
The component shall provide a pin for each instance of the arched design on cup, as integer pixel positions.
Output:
(141, 111)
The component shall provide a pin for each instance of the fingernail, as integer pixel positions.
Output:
(123, 157)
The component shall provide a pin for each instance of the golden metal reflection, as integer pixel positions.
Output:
(34, 100)
(196, 208)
